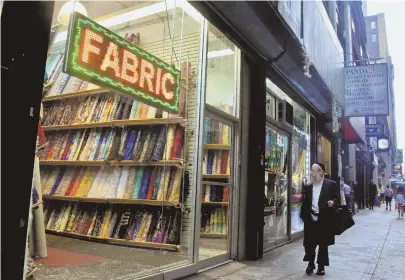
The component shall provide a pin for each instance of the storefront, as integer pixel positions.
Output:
(141, 115)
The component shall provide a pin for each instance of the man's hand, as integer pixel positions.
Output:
(331, 203)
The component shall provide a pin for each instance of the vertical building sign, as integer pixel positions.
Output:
(366, 91)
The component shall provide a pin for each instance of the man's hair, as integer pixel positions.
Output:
(321, 165)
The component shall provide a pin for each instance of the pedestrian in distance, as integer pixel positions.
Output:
(400, 202)
(388, 197)
(382, 191)
(372, 194)
(320, 197)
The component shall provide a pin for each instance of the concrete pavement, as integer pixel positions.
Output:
(374, 249)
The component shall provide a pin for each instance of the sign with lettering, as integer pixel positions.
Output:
(374, 130)
(100, 56)
(366, 91)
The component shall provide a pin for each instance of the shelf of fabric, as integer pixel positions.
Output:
(79, 93)
(177, 163)
(113, 200)
(214, 203)
(74, 162)
(217, 147)
(213, 235)
(171, 247)
(216, 176)
(117, 241)
(116, 123)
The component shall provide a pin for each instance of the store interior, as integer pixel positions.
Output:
(117, 176)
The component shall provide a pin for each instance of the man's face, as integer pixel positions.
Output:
(316, 173)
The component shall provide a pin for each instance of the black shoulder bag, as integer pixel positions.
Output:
(342, 218)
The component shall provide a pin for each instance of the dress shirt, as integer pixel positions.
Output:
(316, 192)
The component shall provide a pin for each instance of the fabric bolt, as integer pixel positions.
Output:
(64, 184)
(175, 194)
(77, 182)
(138, 146)
(100, 149)
(177, 143)
(126, 110)
(137, 184)
(57, 182)
(140, 216)
(216, 161)
(92, 222)
(164, 181)
(174, 231)
(152, 228)
(122, 182)
(72, 218)
(142, 227)
(123, 143)
(99, 106)
(113, 223)
(205, 162)
(156, 183)
(151, 184)
(210, 161)
(114, 146)
(103, 222)
(83, 183)
(171, 184)
(145, 184)
(149, 151)
(130, 144)
(68, 147)
(151, 113)
(130, 183)
(131, 228)
(225, 197)
(113, 109)
(105, 183)
(146, 144)
(159, 144)
(228, 165)
(133, 110)
(144, 111)
(169, 142)
(76, 140)
(65, 218)
(120, 107)
(81, 144)
(90, 181)
(72, 182)
(161, 230)
(138, 112)
(99, 142)
(111, 191)
(108, 143)
(93, 189)
(213, 193)
(224, 162)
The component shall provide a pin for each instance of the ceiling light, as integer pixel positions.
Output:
(225, 52)
(68, 8)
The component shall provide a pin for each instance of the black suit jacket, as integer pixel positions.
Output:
(329, 191)
(324, 236)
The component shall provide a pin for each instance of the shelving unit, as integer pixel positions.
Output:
(217, 147)
(170, 247)
(158, 203)
(214, 203)
(177, 163)
(213, 235)
(216, 176)
(79, 93)
(116, 123)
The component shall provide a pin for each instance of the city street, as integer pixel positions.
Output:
(374, 249)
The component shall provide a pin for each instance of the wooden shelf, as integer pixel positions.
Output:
(79, 93)
(158, 203)
(213, 235)
(74, 162)
(217, 147)
(216, 176)
(177, 163)
(215, 203)
(171, 247)
(115, 123)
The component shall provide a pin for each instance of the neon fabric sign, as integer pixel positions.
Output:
(100, 56)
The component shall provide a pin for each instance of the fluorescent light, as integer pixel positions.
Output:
(140, 13)
(225, 52)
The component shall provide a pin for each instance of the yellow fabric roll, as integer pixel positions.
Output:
(218, 163)
(225, 135)
(65, 218)
(79, 147)
(138, 112)
(147, 226)
(105, 227)
(90, 181)
(175, 195)
(169, 142)
(228, 165)
(142, 228)
(151, 112)
(72, 218)
(144, 111)
(83, 183)
(161, 190)
(93, 221)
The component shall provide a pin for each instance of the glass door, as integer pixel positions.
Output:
(276, 189)
(216, 191)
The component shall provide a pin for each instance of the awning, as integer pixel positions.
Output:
(351, 136)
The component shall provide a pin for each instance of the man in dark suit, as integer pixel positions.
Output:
(319, 199)
(372, 194)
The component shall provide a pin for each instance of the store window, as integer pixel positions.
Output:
(372, 24)
(271, 106)
(117, 192)
(222, 72)
(324, 153)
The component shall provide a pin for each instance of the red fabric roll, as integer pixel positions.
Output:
(224, 162)
(177, 143)
(151, 185)
(225, 197)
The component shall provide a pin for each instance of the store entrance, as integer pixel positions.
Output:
(277, 188)
(217, 189)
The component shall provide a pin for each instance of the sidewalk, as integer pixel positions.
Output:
(374, 249)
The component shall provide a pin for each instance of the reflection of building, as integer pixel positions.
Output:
(187, 188)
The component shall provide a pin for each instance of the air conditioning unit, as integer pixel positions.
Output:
(286, 113)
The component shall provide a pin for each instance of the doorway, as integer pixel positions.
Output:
(277, 187)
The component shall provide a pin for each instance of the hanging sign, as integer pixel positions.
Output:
(374, 130)
(366, 91)
(100, 56)
(400, 156)
(382, 144)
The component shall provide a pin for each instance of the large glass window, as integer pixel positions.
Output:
(222, 72)
(117, 191)
(324, 153)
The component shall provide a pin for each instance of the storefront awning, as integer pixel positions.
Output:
(350, 134)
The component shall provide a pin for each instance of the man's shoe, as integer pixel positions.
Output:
(321, 270)
(310, 269)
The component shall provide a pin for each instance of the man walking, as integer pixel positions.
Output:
(388, 197)
(372, 194)
(347, 190)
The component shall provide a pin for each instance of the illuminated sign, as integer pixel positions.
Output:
(97, 55)
(382, 144)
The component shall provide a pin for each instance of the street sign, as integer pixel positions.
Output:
(366, 91)
(400, 156)
(374, 130)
